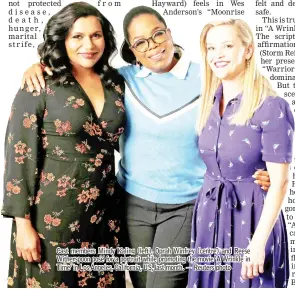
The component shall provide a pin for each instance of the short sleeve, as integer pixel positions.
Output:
(277, 124)
(23, 154)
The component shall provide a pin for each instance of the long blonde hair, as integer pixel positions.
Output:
(255, 88)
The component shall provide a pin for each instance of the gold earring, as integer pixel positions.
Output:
(248, 63)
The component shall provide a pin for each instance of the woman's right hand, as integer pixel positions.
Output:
(253, 263)
(27, 241)
(33, 77)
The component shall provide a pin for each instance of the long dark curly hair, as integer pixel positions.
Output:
(53, 51)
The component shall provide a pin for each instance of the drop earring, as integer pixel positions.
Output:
(138, 64)
(248, 63)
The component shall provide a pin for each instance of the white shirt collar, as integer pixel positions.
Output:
(179, 70)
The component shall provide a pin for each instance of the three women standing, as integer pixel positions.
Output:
(161, 168)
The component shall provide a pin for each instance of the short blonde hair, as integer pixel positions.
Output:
(255, 89)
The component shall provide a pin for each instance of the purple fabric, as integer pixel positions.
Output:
(229, 204)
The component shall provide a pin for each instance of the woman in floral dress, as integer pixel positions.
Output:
(243, 127)
(59, 172)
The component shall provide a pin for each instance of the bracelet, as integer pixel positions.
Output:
(42, 66)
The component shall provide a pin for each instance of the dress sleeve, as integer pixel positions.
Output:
(118, 86)
(277, 125)
(23, 154)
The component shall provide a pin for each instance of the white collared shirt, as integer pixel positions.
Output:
(179, 70)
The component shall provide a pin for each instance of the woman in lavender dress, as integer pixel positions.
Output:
(242, 127)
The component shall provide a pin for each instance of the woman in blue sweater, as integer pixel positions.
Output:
(160, 170)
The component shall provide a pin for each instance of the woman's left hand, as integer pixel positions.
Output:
(253, 262)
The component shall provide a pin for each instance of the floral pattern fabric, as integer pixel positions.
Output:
(229, 204)
(59, 173)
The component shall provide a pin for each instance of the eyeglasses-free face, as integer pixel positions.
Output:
(142, 45)
(85, 42)
(151, 43)
(226, 54)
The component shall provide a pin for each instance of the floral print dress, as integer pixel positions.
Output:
(59, 173)
(229, 204)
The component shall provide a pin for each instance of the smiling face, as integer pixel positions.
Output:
(226, 54)
(158, 58)
(85, 42)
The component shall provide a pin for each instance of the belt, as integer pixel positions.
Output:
(220, 184)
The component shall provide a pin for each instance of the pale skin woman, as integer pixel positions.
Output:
(84, 45)
(227, 56)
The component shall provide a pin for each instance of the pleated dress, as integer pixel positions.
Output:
(229, 204)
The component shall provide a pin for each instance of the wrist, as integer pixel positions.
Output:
(22, 221)
(259, 241)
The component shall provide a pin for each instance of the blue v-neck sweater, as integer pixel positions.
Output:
(160, 158)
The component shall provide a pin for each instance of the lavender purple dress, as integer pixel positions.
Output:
(229, 204)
